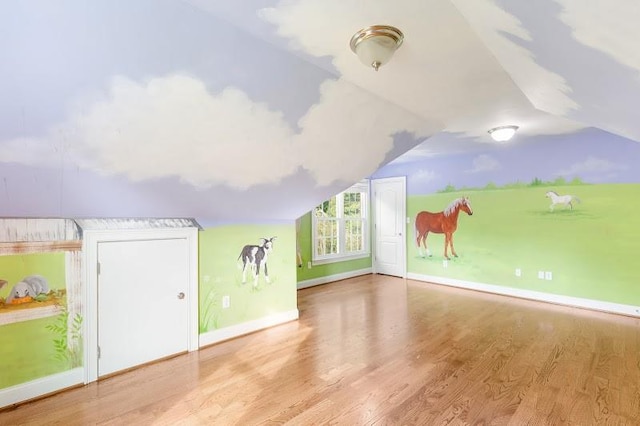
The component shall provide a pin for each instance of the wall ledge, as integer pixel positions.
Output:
(41, 387)
(557, 299)
(332, 278)
(220, 335)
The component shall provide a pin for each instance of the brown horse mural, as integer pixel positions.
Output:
(444, 222)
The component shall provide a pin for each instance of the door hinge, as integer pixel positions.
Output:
(98, 352)
(98, 267)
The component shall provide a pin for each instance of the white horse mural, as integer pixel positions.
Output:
(566, 200)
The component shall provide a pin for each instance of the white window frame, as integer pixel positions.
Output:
(361, 187)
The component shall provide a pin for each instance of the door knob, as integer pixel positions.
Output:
(181, 295)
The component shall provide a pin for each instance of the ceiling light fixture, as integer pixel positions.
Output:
(375, 45)
(503, 133)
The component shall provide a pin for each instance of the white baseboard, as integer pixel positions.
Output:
(42, 386)
(577, 302)
(217, 336)
(331, 278)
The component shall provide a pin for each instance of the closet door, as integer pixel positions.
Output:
(142, 302)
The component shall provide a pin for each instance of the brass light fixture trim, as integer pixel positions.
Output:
(388, 39)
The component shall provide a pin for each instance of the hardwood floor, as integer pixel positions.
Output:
(381, 350)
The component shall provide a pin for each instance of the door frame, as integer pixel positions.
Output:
(403, 214)
(91, 240)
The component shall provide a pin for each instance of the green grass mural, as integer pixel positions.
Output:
(591, 250)
(67, 341)
(221, 275)
(30, 347)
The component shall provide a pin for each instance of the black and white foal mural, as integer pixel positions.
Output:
(253, 257)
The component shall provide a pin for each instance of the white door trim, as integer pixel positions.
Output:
(90, 242)
(403, 214)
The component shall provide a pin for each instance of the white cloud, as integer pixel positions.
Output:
(172, 126)
(348, 134)
(424, 176)
(287, 16)
(484, 163)
(546, 89)
(427, 75)
(611, 28)
(470, 75)
(592, 165)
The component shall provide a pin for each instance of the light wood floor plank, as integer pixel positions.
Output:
(384, 351)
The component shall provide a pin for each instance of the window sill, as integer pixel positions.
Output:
(327, 260)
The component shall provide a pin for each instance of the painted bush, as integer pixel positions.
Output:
(221, 274)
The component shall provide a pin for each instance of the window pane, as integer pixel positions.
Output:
(340, 224)
(354, 237)
(352, 204)
(327, 208)
(326, 237)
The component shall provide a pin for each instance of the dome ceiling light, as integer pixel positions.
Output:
(375, 45)
(503, 133)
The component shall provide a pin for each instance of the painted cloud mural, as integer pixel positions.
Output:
(499, 29)
(605, 28)
(208, 108)
(173, 126)
(198, 128)
(570, 58)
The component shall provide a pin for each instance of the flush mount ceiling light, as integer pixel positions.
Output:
(503, 133)
(376, 45)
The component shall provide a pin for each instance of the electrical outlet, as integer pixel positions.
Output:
(206, 278)
(408, 219)
(548, 276)
(445, 263)
(518, 272)
(226, 302)
(541, 275)
(308, 265)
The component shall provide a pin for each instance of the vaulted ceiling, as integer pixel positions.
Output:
(252, 111)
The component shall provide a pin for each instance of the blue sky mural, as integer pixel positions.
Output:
(235, 111)
(573, 59)
(592, 155)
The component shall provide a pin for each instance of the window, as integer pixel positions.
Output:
(340, 226)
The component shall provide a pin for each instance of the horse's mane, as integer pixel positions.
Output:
(553, 192)
(454, 205)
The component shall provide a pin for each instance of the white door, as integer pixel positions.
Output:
(142, 302)
(390, 210)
